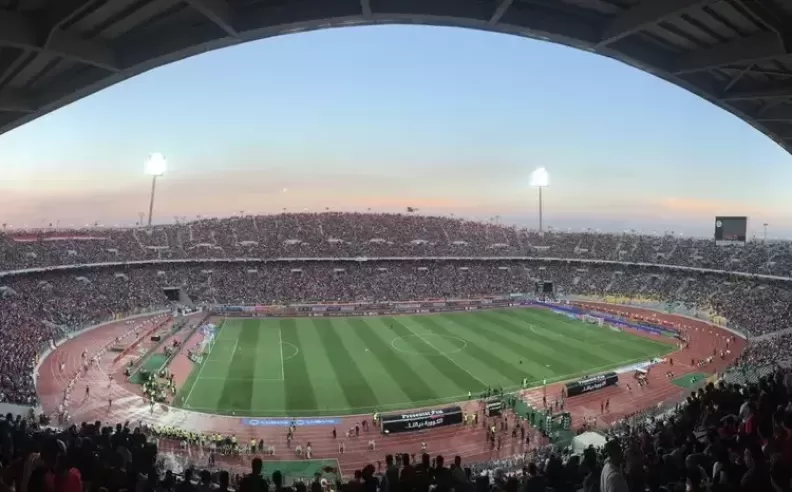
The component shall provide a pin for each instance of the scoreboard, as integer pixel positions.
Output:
(730, 230)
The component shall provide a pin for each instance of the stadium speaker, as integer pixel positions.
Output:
(155, 338)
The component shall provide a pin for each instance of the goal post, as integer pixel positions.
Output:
(208, 341)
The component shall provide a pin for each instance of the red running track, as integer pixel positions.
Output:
(705, 339)
(466, 441)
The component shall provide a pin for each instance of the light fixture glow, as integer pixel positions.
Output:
(540, 178)
(156, 165)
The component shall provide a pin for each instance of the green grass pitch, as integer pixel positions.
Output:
(300, 367)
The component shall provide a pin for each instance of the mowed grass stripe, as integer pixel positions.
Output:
(237, 393)
(580, 331)
(536, 351)
(464, 380)
(607, 339)
(299, 393)
(530, 368)
(457, 349)
(211, 376)
(356, 390)
(269, 393)
(522, 343)
(192, 379)
(386, 391)
(356, 365)
(410, 382)
(269, 365)
(315, 359)
(614, 345)
(604, 338)
(564, 340)
(558, 346)
(511, 374)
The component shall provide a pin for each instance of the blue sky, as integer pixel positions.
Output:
(447, 120)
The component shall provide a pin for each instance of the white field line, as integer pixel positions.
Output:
(280, 346)
(439, 352)
(203, 366)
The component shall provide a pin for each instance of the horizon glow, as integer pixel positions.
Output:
(449, 121)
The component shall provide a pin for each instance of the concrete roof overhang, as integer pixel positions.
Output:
(734, 53)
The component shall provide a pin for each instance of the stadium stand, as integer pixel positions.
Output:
(725, 437)
(352, 235)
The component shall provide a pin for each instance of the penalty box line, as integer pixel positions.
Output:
(235, 341)
(204, 363)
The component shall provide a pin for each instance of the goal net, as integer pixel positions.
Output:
(209, 332)
(593, 320)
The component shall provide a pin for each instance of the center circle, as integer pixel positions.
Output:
(429, 344)
(294, 353)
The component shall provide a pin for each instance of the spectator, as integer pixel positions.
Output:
(255, 481)
(534, 482)
(612, 479)
(682, 449)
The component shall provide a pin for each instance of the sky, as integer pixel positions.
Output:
(450, 121)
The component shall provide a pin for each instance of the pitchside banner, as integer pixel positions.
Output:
(361, 308)
(592, 383)
(428, 419)
(288, 422)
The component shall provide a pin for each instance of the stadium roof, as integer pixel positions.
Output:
(735, 53)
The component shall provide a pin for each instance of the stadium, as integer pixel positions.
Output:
(243, 327)
(393, 352)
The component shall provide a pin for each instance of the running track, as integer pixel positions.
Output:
(466, 441)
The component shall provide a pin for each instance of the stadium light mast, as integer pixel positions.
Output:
(156, 165)
(540, 179)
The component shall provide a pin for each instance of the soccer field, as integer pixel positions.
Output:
(300, 367)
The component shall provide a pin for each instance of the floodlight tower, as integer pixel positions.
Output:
(156, 165)
(540, 179)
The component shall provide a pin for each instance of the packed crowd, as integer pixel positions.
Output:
(37, 308)
(332, 234)
(771, 352)
(724, 438)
